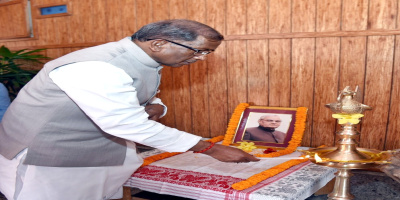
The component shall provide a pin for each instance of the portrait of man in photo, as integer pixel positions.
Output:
(266, 130)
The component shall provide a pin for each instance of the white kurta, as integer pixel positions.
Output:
(105, 93)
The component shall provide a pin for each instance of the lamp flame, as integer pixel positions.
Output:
(317, 158)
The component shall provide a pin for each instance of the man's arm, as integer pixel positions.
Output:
(155, 111)
(224, 153)
(106, 95)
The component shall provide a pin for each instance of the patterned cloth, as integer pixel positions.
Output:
(198, 176)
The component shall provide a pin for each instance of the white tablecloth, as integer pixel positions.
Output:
(198, 176)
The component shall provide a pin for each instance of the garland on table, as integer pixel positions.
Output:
(151, 159)
(253, 180)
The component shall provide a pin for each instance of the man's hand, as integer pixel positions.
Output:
(225, 153)
(154, 111)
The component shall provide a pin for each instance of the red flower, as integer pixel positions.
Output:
(269, 150)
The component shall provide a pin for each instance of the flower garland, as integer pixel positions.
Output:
(253, 180)
(151, 159)
(233, 123)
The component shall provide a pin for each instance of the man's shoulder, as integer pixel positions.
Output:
(279, 132)
(252, 128)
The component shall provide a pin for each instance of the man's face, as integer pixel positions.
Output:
(174, 55)
(270, 121)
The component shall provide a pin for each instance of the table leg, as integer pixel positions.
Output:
(127, 193)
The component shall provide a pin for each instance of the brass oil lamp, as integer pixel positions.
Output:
(346, 155)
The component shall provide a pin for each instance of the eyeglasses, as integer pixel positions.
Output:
(197, 52)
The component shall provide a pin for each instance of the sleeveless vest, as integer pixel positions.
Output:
(55, 130)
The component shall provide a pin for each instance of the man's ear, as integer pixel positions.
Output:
(157, 45)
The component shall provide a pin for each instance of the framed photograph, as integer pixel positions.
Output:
(275, 127)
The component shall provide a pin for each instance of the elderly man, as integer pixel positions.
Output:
(266, 130)
(71, 132)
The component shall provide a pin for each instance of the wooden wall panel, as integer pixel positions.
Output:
(144, 12)
(280, 16)
(257, 17)
(352, 63)
(128, 17)
(216, 15)
(15, 24)
(160, 11)
(326, 84)
(114, 21)
(63, 33)
(382, 14)
(236, 17)
(276, 53)
(199, 98)
(45, 31)
(199, 80)
(354, 15)
(218, 90)
(279, 54)
(99, 25)
(328, 15)
(87, 26)
(167, 86)
(167, 96)
(237, 74)
(303, 16)
(398, 15)
(303, 61)
(302, 84)
(257, 69)
(393, 133)
(328, 18)
(76, 25)
(54, 53)
(181, 79)
(279, 72)
(377, 93)
(353, 49)
(217, 72)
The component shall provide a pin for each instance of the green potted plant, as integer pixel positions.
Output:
(13, 75)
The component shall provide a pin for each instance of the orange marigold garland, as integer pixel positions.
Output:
(151, 159)
(233, 123)
(253, 180)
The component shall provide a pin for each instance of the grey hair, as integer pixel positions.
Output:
(264, 116)
(176, 29)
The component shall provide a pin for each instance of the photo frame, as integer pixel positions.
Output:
(246, 119)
